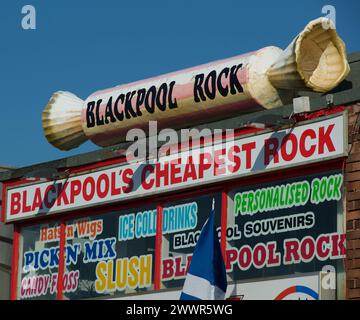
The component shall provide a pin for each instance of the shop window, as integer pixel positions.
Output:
(285, 226)
(110, 255)
(38, 262)
(182, 224)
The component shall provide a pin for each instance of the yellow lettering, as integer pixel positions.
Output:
(133, 274)
(145, 270)
(121, 273)
(100, 283)
(111, 283)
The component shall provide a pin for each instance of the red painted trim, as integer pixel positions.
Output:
(59, 295)
(224, 213)
(158, 247)
(17, 182)
(96, 165)
(320, 113)
(15, 263)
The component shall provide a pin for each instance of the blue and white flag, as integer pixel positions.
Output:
(206, 278)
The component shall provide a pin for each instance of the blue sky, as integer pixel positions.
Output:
(83, 46)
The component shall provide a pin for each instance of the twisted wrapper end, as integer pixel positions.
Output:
(61, 121)
(316, 60)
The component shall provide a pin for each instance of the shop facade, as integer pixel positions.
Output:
(286, 203)
(97, 230)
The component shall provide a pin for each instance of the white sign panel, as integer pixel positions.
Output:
(297, 288)
(311, 142)
(294, 288)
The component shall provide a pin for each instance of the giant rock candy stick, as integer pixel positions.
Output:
(264, 79)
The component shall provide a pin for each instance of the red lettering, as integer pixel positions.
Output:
(338, 245)
(49, 190)
(26, 208)
(114, 191)
(244, 258)
(234, 158)
(179, 270)
(147, 184)
(167, 269)
(248, 147)
(62, 196)
(162, 173)
(204, 166)
(259, 255)
(190, 170)
(273, 258)
(325, 139)
(307, 249)
(322, 248)
(293, 147)
(291, 251)
(102, 193)
(219, 161)
(88, 195)
(271, 149)
(75, 190)
(15, 206)
(175, 169)
(37, 202)
(43, 233)
(231, 256)
(127, 178)
(309, 133)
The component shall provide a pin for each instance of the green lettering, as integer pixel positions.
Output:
(237, 203)
(337, 186)
(315, 186)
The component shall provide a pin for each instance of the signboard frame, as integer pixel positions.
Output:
(25, 183)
